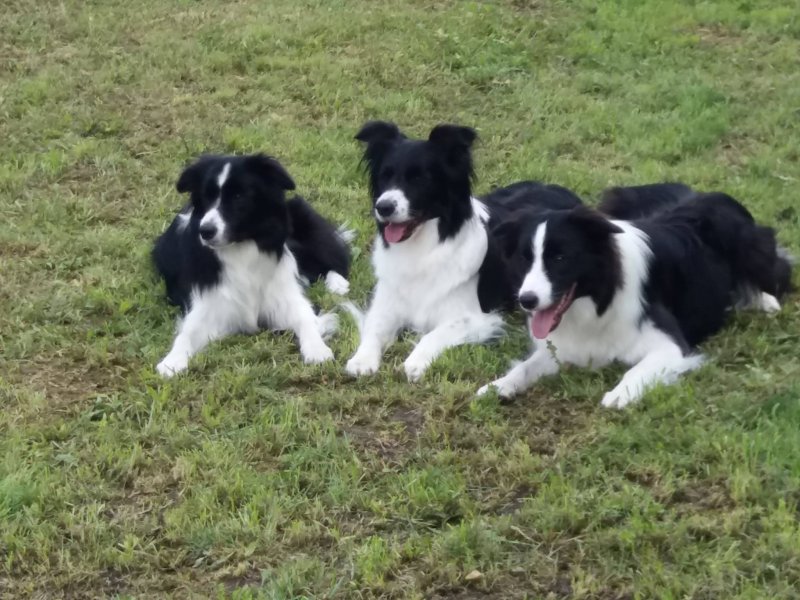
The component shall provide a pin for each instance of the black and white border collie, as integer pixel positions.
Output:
(644, 291)
(233, 257)
(438, 271)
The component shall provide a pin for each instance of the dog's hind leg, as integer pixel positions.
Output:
(471, 329)
(663, 364)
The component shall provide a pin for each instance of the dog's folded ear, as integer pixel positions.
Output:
(452, 137)
(271, 170)
(192, 176)
(378, 131)
(592, 222)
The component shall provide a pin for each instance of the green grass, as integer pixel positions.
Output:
(253, 476)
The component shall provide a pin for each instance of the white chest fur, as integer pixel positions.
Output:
(251, 282)
(431, 280)
(586, 339)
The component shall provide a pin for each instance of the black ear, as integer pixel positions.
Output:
(192, 176)
(592, 222)
(271, 170)
(506, 236)
(453, 137)
(378, 131)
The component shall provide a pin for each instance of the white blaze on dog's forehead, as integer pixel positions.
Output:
(223, 175)
(402, 211)
(536, 281)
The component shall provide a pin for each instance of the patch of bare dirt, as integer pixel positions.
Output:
(390, 438)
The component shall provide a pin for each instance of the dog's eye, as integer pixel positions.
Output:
(387, 174)
(558, 257)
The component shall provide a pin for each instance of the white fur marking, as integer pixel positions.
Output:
(336, 284)
(431, 287)
(223, 175)
(536, 281)
(769, 303)
(402, 207)
(242, 303)
(585, 339)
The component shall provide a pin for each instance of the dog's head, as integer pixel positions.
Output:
(414, 181)
(560, 256)
(238, 198)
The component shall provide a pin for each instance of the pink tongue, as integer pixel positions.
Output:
(394, 232)
(543, 321)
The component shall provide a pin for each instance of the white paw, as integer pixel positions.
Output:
(172, 365)
(327, 324)
(769, 303)
(415, 368)
(362, 365)
(619, 397)
(318, 353)
(502, 386)
(336, 284)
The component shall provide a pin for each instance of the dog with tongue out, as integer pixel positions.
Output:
(439, 271)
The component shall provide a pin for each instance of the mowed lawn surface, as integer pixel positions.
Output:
(255, 476)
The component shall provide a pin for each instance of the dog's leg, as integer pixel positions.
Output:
(663, 364)
(523, 375)
(380, 328)
(205, 322)
(471, 329)
(293, 311)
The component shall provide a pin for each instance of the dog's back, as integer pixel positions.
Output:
(709, 254)
(636, 202)
(316, 244)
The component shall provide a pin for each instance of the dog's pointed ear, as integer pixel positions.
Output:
(506, 236)
(374, 132)
(192, 176)
(271, 170)
(453, 137)
(595, 224)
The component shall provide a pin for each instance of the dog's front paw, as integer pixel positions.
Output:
(362, 364)
(620, 397)
(318, 353)
(503, 387)
(172, 365)
(415, 368)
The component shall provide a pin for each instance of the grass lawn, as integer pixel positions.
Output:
(255, 476)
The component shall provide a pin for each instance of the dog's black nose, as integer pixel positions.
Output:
(384, 208)
(529, 301)
(208, 231)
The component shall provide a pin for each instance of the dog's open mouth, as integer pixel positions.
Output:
(394, 233)
(543, 322)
